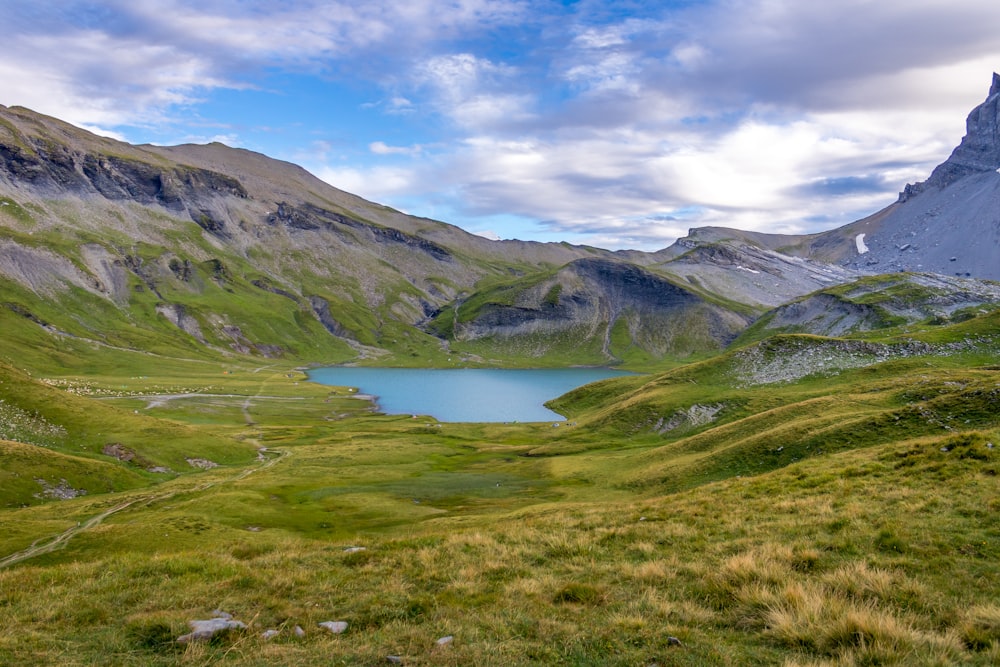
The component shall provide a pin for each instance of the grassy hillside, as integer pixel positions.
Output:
(798, 501)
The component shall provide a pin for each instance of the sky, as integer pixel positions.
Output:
(618, 124)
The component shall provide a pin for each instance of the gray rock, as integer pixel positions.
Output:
(299, 632)
(444, 641)
(336, 627)
(268, 634)
(204, 630)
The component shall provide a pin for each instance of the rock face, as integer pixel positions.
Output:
(617, 304)
(948, 224)
(979, 151)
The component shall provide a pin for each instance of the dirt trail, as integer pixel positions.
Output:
(48, 545)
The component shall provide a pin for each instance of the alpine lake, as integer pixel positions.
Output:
(464, 395)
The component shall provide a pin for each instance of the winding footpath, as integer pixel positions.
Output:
(39, 547)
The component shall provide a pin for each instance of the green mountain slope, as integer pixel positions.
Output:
(232, 251)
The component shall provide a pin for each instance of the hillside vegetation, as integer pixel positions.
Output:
(800, 500)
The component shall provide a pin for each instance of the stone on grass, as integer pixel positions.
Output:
(267, 634)
(336, 627)
(299, 632)
(203, 630)
(444, 641)
(674, 641)
(394, 659)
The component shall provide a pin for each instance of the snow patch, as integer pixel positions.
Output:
(859, 241)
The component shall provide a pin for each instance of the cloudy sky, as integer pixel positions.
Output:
(617, 124)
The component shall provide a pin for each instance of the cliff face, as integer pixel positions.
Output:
(619, 307)
(948, 224)
(979, 151)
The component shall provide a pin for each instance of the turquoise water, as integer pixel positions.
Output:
(467, 394)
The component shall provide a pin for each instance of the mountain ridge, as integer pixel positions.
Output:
(233, 250)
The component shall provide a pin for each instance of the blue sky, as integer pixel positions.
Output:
(616, 124)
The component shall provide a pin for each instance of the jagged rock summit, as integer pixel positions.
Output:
(979, 151)
(948, 224)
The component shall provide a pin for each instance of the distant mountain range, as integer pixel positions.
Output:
(223, 250)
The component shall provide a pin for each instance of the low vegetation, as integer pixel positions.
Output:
(841, 515)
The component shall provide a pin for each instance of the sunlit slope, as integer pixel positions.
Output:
(785, 399)
(58, 444)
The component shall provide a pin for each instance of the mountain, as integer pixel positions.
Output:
(948, 224)
(210, 249)
(222, 249)
(607, 306)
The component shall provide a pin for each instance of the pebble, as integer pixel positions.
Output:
(299, 632)
(394, 659)
(674, 641)
(267, 634)
(444, 641)
(336, 627)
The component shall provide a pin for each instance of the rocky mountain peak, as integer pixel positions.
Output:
(979, 151)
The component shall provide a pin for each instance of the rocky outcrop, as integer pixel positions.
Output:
(58, 168)
(879, 302)
(177, 315)
(321, 308)
(313, 218)
(618, 303)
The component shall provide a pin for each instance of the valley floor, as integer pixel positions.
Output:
(521, 545)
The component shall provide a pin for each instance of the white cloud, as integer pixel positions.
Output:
(764, 114)
(150, 56)
(381, 148)
(380, 184)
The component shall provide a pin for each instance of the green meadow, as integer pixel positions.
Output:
(796, 501)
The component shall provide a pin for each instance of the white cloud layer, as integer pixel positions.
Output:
(623, 127)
